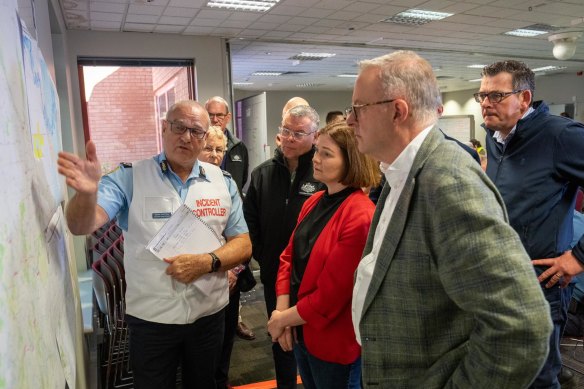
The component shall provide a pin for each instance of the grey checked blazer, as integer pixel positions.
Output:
(454, 301)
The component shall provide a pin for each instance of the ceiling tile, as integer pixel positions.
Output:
(141, 18)
(180, 11)
(145, 9)
(109, 7)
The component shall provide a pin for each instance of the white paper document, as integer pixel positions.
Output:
(184, 233)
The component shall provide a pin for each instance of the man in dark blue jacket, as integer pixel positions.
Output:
(535, 160)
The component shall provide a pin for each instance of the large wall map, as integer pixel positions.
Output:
(39, 310)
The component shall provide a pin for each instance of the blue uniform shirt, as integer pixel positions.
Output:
(116, 190)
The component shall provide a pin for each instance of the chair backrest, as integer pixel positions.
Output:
(101, 288)
(118, 269)
(117, 251)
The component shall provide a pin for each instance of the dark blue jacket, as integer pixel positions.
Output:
(538, 173)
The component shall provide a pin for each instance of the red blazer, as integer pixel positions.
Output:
(324, 297)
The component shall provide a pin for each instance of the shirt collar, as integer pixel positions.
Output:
(404, 161)
(504, 139)
(196, 172)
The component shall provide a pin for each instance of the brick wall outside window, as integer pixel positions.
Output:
(122, 112)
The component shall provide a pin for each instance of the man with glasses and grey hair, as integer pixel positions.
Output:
(535, 160)
(235, 159)
(445, 295)
(278, 189)
(175, 309)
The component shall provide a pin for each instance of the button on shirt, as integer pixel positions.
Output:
(396, 175)
(116, 190)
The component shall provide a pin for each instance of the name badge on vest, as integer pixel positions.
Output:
(158, 208)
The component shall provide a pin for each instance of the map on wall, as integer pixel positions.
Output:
(38, 309)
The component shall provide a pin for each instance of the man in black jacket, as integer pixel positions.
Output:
(236, 160)
(278, 189)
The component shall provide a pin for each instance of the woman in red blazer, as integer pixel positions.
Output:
(315, 278)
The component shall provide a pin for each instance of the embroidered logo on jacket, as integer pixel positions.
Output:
(236, 158)
(308, 188)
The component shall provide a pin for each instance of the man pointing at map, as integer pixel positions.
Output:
(174, 308)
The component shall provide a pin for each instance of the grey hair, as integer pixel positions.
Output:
(522, 76)
(218, 99)
(406, 75)
(301, 111)
(217, 132)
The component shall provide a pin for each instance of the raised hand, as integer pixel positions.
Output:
(81, 174)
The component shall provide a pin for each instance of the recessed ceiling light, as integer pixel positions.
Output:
(416, 17)
(348, 75)
(476, 66)
(243, 5)
(308, 84)
(266, 73)
(523, 32)
(548, 68)
(312, 56)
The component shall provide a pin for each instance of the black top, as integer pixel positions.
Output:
(307, 233)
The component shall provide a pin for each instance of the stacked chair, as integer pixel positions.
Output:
(106, 258)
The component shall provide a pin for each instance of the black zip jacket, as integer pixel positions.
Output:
(236, 160)
(271, 208)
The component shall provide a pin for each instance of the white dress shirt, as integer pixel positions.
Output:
(396, 175)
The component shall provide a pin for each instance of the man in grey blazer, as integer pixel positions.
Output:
(445, 295)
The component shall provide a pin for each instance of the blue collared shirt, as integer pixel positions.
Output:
(116, 190)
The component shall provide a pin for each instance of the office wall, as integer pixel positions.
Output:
(463, 103)
(322, 102)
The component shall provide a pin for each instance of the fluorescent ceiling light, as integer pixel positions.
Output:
(242, 83)
(243, 5)
(266, 73)
(348, 75)
(548, 68)
(476, 66)
(523, 32)
(475, 80)
(416, 17)
(308, 85)
(312, 56)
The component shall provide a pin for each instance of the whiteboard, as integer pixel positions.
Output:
(254, 129)
(460, 127)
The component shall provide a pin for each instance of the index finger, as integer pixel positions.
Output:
(543, 262)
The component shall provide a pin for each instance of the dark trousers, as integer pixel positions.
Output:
(319, 374)
(156, 350)
(284, 361)
(231, 319)
(559, 300)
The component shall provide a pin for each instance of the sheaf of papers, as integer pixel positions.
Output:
(183, 233)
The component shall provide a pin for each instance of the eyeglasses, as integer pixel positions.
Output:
(180, 129)
(353, 108)
(494, 97)
(219, 116)
(217, 150)
(298, 135)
